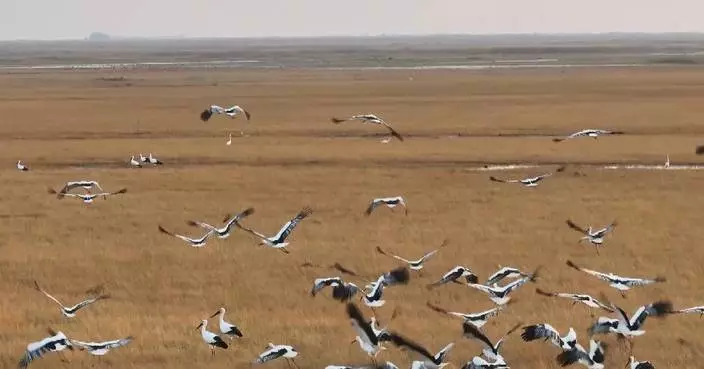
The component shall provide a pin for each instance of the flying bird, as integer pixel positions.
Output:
(278, 241)
(231, 112)
(370, 119)
(630, 327)
(226, 229)
(528, 182)
(491, 350)
(366, 337)
(505, 272)
(429, 360)
(193, 242)
(622, 284)
(228, 329)
(594, 359)
(276, 351)
(584, 299)
(454, 274)
(342, 290)
(414, 264)
(588, 133)
(548, 333)
(385, 365)
(390, 202)
(500, 294)
(87, 198)
(595, 237)
(70, 186)
(210, 338)
(57, 342)
(101, 348)
(70, 312)
(21, 167)
(476, 319)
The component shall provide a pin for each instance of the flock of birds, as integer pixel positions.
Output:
(370, 337)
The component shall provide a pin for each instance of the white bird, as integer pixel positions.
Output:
(226, 229)
(631, 327)
(622, 284)
(585, 299)
(594, 359)
(547, 332)
(57, 342)
(390, 202)
(491, 350)
(143, 159)
(134, 163)
(476, 319)
(386, 140)
(87, 197)
(595, 237)
(504, 272)
(414, 264)
(21, 167)
(372, 298)
(276, 351)
(500, 294)
(70, 312)
(454, 274)
(371, 119)
(210, 338)
(429, 360)
(528, 182)
(639, 364)
(366, 337)
(101, 348)
(667, 161)
(386, 365)
(230, 112)
(229, 139)
(342, 291)
(194, 242)
(154, 161)
(228, 329)
(481, 363)
(85, 184)
(693, 310)
(278, 241)
(588, 133)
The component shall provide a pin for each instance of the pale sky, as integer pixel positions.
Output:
(64, 19)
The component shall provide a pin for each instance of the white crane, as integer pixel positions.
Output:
(527, 182)
(369, 119)
(548, 333)
(634, 364)
(277, 351)
(594, 359)
(231, 112)
(491, 350)
(71, 311)
(143, 159)
(476, 319)
(229, 139)
(70, 186)
(154, 161)
(193, 242)
(622, 284)
(366, 337)
(595, 237)
(212, 339)
(101, 348)
(454, 274)
(87, 198)
(631, 327)
(21, 167)
(134, 163)
(584, 299)
(594, 133)
(372, 298)
(414, 264)
(500, 294)
(429, 360)
(228, 329)
(57, 342)
(230, 220)
(505, 272)
(341, 290)
(390, 202)
(278, 241)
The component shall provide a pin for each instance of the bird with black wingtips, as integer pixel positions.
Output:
(231, 112)
(454, 274)
(631, 327)
(594, 133)
(491, 350)
(193, 242)
(226, 328)
(527, 182)
(390, 202)
(635, 364)
(87, 198)
(429, 361)
(71, 185)
(278, 241)
(622, 284)
(369, 119)
(546, 332)
(56, 342)
(582, 298)
(210, 338)
(595, 237)
(101, 348)
(481, 363)
(71, 311)
(594, 359)
(505, 272)
(500, 294)
(476, 319)
(273, 352)
(230, 220)
(366, 337)
(414, 264)
(342, 291)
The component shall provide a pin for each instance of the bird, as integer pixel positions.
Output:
(585, 299)
(370, 119)
(193, 242)
(134, 163)
(391, 202)
(56, 342)
(143, 159)
(396, 276)
(21, 167)
(481, 363)
(547, 332)
(229, 139)
(500, 294)
(414, 264)
(630, 327)
(70, 186)
(87, 197)
(454, 274)
(386, 139)
(588, 133)
(491, 350)
(667, 161)
(230, 112)
(595, 237)
(101, 348)
(373, 297)
(594, 359)
(622, 284)
(504, 272)
(429, 360)
(692, 310)
(366, 337)
(528, 182)
(385, 365)
(228, 329)
(276, 351)
(476, 319)
(278, 241)
(210, 338)
(70, 312)
(154, 161)
(633, 364)
(342, 290)
(227, 228)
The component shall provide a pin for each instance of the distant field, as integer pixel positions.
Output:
(85, 125)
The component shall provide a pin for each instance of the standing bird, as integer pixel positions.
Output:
(454, 274)
(134, 163)
(193, 242)
(370, 119)
(57, 342)
(226, 229)
(500, 294)
(390, 202)
(595, 237)
(491, 350)
(585, 299)
(230, 112)
(21, 167)
(228, 329)
(101, 348)
(633, 364)
(547, 332)
(622, 284)
(87, 197)
(414, 264)
(594, 359)
(588, 133)
(528, 182)
(278, 241)
(154, 161)
(276, 351)
(70, 312)
(476, 319)
(229, 139)
(210, 338)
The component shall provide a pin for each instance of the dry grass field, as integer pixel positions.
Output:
(85, 125)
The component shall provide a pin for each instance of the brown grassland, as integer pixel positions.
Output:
(82, 125)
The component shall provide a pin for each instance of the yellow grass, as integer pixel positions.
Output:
(294, 157)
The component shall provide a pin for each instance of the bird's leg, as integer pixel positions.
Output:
(288, 363)
(63, 357)
(212, 351)
(294, 364)
(623, 294)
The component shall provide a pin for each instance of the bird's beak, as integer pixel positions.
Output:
(353, 341)
(214, 314)
(199, 325)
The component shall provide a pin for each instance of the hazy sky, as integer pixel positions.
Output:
(58, 19)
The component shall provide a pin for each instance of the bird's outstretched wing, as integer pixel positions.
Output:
(36, 286)
(205, 115)
(577, 228)
(338, 120)
(291, 224)
(342, 269)
(393, 131)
